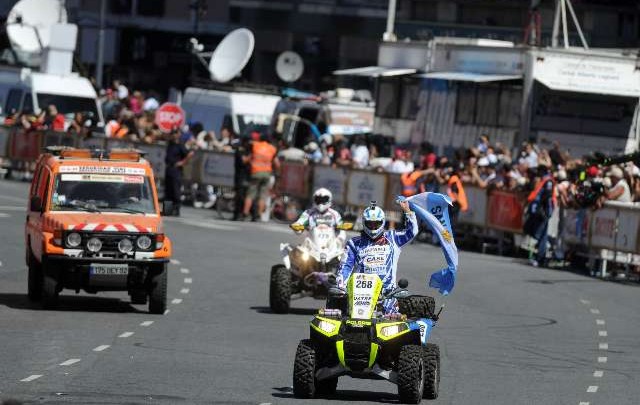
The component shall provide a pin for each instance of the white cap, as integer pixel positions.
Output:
(483, 161)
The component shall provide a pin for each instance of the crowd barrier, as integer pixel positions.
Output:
(614, 227)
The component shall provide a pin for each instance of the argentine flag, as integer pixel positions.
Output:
(433, 210)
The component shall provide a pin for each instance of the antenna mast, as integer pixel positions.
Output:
(561, 13)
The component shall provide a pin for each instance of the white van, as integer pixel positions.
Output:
(27, 91)
(241, 111)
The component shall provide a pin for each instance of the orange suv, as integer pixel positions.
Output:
(94, 224)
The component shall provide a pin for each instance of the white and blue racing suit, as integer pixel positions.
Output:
(379, 256)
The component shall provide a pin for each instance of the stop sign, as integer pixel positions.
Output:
(169, 116)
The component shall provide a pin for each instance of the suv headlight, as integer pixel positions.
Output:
(94, 245)
(143, 242)
(125, 245)
(74, 239)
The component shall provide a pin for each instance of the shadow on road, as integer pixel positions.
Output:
(346, 395)
(70, 303)
(292, 311)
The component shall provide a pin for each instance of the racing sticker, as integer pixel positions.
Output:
(374, 257)
(102, 178)
(102, 170)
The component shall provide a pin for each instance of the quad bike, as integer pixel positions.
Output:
(305, 268)
(359, 341)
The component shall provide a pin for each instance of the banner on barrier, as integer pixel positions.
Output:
(92, 142)
(394, 189)
(576, 226)
(5, 133)
(294, 179)
(155, 155)
(628, 228)
(603, 228)
(216, 169)
(333, 179)
(364, 187)
(477, 200)
(505, 211)
(25, 145)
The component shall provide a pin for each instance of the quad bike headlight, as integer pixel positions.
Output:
(392, 330)
(74, 239)
(326, 326)
(305, 256)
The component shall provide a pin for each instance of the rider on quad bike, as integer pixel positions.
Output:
(376, 251)
(320, 214)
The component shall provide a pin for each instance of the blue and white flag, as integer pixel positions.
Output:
(433, 210)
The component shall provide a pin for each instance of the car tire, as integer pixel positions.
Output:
(50, 292)
(417, 306)
(431, 356)
(34, 287)
(280, 289)
(304, 369)
(158, 292)
(410, 374)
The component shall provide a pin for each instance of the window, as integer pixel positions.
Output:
(466, 104)
(398, 98)
(510, 104)
(410, 92)
(68, 104)
(387, 100)
(120, 6)
(13, 101)
(27, 105)
(489, 104)
(151, 8)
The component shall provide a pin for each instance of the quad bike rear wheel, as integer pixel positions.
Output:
(280, 289)
(431, 356)
(304, 369)
(417, 306)
(410, 374)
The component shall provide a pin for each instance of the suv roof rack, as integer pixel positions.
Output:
(68, 152)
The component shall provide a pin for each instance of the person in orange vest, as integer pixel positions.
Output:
(409, 182)
(455, 191)
(541, 203)
(262, 162)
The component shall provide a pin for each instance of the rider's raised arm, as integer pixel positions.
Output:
(303, 219)
(411, 230)
(347, 264)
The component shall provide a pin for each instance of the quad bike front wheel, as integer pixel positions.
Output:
(431, 357)
(304, 369)
(411, 374)
(280, 289)
(417, 306)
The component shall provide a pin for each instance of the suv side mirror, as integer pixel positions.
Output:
(403, 283)
(35, 204)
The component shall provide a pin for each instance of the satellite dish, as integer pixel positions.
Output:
(289, 66)
(231, 55)
(29, 23)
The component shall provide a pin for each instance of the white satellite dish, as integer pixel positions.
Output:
(231, 55)
(289, 66)
(29, 23)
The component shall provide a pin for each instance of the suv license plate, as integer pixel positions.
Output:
(109, 269)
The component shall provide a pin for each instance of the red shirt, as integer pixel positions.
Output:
(58, 123)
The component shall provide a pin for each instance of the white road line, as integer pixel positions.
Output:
(585, 302)
(265, 403)
(602, 359)
(166, 311)
(595, 311)
(174, 261)
(184, 291)
(188, 280)
(125, 335)
(31, 378)
(101, 348)
(583, 403)
(598, 373)
(600, 322)
(602, 333)
(69, 362)
(0, 263)
(603, 346)
(3, 215)
(184, 270)
(176, 300)
(146, 323)
(592, 388)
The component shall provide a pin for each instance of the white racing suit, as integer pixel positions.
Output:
(379, 256)
(312, 217)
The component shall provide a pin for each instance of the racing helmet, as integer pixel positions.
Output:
(373, 220)
(322, 199)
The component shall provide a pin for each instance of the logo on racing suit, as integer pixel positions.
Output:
(374, 258)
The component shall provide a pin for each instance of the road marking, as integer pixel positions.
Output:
(603, 346)
(125, 335)
(602, 359)
(69, 362)
(185, 291)
(188, 280)
(101, 348)
(174, 261)
(583, 403)
(176, 300)
(146, 323)
(265, 403)
(592, 388)
(184, 270)
(0, 263)
(166, 311)
(595, 311)
(598, 373)
(602, 333)
(200, 224)
(585, 302)
(3, 215)
(600, 321)
(31, 378)
(12, 208)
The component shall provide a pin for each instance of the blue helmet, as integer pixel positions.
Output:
(373, 220)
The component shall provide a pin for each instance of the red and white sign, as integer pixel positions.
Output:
(109, 228)
(169, 116)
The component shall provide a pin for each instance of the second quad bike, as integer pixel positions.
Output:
(355, 338)
(306, 268)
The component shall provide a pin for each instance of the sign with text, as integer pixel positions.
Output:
(333, 179)
(505, 211)
(364, 187)
(169, 116)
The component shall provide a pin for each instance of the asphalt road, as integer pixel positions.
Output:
(510, 334)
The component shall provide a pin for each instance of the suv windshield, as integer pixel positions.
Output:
(102, 193)
(68, 105)
(249, 123)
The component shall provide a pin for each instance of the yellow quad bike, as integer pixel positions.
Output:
(360, 341)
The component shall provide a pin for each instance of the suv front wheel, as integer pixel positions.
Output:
(158, 292)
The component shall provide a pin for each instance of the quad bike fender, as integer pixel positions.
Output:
(423, 325)
(285, 248)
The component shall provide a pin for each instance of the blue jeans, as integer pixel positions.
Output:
(542, 237)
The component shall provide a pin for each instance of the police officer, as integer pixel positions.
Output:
(176, 157)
